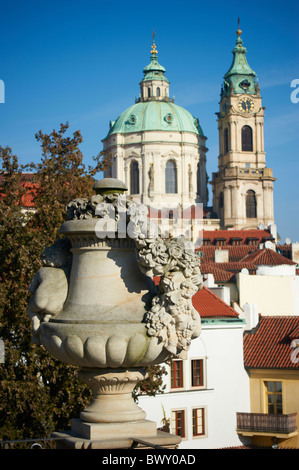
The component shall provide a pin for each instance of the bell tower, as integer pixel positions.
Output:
(243, 185)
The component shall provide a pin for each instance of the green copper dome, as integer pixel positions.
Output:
(155, 116)
(155, 111)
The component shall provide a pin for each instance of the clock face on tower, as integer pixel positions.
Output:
(246, 105)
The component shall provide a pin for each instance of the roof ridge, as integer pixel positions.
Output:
(219, 299)
(271, 254)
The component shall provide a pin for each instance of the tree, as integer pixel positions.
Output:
(39, 394)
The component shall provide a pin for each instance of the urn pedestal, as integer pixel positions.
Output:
(113, 420)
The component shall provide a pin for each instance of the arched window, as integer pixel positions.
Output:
(158, 92)
(250, 205)
(134, 174)
(247, 139)
(170, 177)
(225, 140)
(148, 92)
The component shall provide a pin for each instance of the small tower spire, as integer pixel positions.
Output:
(239, 32)
(153, 49)
(154, 85)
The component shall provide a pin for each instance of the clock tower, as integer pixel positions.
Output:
(243, 185)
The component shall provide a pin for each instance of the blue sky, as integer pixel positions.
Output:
(82, 61)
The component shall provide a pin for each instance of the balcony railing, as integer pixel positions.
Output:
(261, 422)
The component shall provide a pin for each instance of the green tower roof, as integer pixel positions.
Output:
(240, 78)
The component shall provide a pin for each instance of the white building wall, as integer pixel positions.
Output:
(226, 389)
(280, 270)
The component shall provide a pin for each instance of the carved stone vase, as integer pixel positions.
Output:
(94, 305)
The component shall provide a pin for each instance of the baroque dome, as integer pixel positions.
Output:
(157, 147)
(155, 116)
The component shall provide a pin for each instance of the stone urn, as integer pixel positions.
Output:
(96, 306)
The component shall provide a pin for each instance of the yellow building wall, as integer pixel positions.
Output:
(273, 295)
(290, 399)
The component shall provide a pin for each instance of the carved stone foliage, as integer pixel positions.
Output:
(172, 317)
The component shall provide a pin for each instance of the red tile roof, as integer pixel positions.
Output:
(244, 235)
(239, 257)
(235, 253)
(268, 346)
(210, 305)
(236, 267)
(267, 257)
(286, 249)
(219, 274)
(27, 199)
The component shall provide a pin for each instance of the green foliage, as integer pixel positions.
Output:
(38, 393)
(153, 382)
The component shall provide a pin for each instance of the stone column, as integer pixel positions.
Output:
(227, 204)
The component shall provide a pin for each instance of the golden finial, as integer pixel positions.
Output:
(239, 32)
(153, 49)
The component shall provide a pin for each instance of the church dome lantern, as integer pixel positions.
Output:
(154, 84)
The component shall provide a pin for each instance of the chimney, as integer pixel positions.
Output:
(221, 256)
(251, 316)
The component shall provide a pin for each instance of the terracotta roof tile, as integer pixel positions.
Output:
(210, 305)
(27, 198)
(267, 257)
(235, 253)
(220, 275)
(244, 235)
(268, 346)
(236, 267)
